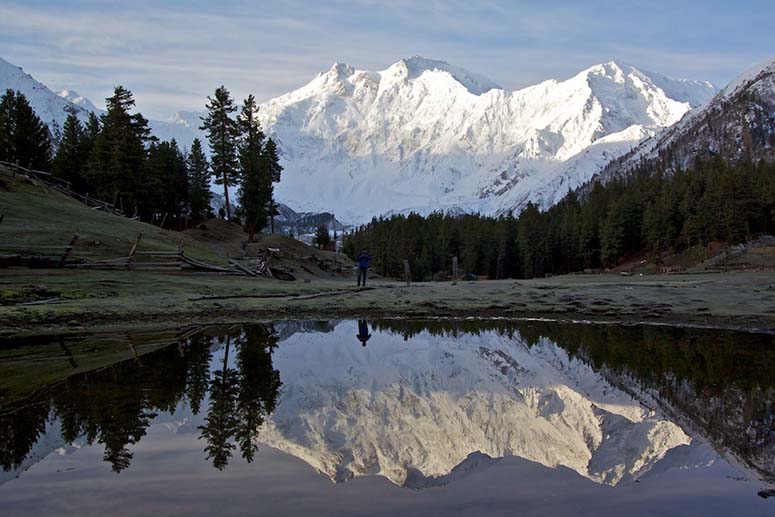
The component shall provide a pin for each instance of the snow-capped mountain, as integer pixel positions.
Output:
(53, 107)
(77, 99)
(423, 135)
(739, 123)
(50, 107)
(299, 223)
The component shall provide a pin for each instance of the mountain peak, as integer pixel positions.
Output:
(604, 76)
(717, 128)
(77, 99)
(7, 67)
(415, 66)
(419, 63)
(750, 75)
(341, 70)
(613, 69)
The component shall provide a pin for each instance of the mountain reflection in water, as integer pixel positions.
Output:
(424, 404)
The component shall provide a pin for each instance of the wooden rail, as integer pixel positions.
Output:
(63, 187)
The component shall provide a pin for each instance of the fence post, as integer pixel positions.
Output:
(454, 268)
(407, 273)
(179, 257)
(68, 249)
(132, 251)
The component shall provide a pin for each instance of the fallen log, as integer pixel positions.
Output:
(241, 268)
(198, 264)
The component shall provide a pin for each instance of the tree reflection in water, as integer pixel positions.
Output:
(721, 383)
(114, 406)
(241, 397)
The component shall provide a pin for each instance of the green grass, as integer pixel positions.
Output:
(38, 216)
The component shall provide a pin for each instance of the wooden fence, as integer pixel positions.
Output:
(66, 256)
(60, 185)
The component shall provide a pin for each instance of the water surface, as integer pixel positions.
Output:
(380, 417)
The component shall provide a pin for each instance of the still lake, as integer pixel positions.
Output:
(386, 417)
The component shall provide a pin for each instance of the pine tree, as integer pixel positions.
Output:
(117, 164)
(612, 237)
(222, 135)
(272, 159)
(28, 140)
(255, 194)
(7, 149)
(71, 154)
(659, 225)
(322, 237)
(221, 421)
(90, 133)
(532, 237)
(167, 181)
(259, 384)
(199, 174)
(198, 356)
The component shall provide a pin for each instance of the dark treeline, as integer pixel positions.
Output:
(24, 138)
(114, 157)
(114, 406)
(710, 360)
(648, 211)
(483, 245)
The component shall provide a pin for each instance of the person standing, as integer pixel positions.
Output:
(364, 260)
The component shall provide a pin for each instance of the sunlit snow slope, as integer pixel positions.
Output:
(424, 135)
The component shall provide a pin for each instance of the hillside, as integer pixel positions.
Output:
(738, 124)
(35, 216)
(302, 261)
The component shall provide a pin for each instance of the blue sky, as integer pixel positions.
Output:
(173, 53)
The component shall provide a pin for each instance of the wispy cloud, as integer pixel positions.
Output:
(173, 53)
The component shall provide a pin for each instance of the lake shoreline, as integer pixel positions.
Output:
(103, 300)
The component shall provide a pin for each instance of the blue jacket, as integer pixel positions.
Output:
(364, 259)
